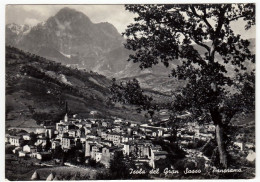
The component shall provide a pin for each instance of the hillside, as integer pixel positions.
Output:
(37, 90)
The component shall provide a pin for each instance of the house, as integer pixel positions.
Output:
(251, 156)
(132, 125)
(49, 132)
(104, 124)
(126, 138)
(88, 147)
(17, 149)
(83, 139)
(43, 156)
(114, 137)
(239, 144)
(118, 120)
(108, 154)
(144, 148)
(249, 145)
(16, 140)
(67, 142)
(166, 135)
(41, 141)
(160, 132)
(95, 150)
(104, 135)
(88, 125)
(73, 133)
(106, 142)
(98, 156)
(22, 153)
(26, 136)
(29, 149)
(87, 131)
(148, 132)
(41, 135)
(156, 155)
(117, 129)
(126, 148)
(135, 132)
(64, 127)
(55, 144)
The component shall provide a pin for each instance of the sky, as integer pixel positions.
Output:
(33, 14)
(114, 14)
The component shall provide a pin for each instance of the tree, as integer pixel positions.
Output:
(57, 153)
(118, 167)
(130, 92)
(199, 39)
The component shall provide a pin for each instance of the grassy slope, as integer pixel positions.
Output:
(37, 89)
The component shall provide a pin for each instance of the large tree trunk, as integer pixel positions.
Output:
(221, 147)
(217, 119)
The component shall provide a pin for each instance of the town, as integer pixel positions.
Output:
(99, 140)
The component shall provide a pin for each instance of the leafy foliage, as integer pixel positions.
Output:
(130, 92)
(168, 33)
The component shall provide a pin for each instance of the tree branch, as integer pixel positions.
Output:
(236, 18)
(206, 21)
(221, 20)
(201, 44)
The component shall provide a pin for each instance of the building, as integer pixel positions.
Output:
(15, 140)
(156, 155)
(126, 148)
(43, 156)
(17, 149)
(29, 149)
(22, 153)
(41, 141)
(240, 145)
(67, 142)
(55, 144)
(27, 137)
(107, 155)
(88, 147)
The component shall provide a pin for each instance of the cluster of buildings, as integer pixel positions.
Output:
(243, 146)
(100, 140)
(192, 132)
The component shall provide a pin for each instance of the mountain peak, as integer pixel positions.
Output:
(67, 10)
(67, 13)
(18, 29)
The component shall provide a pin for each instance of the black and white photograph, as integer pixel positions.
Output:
(129, 91)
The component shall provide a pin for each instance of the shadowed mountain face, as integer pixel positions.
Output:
(68, 37)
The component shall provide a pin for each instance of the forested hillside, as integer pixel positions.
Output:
(37, 90)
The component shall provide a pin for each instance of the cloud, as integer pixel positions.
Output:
(31, 21)
(17, 14)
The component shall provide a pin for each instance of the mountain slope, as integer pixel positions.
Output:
(69, 32)
(71, 38)
(37, 90)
